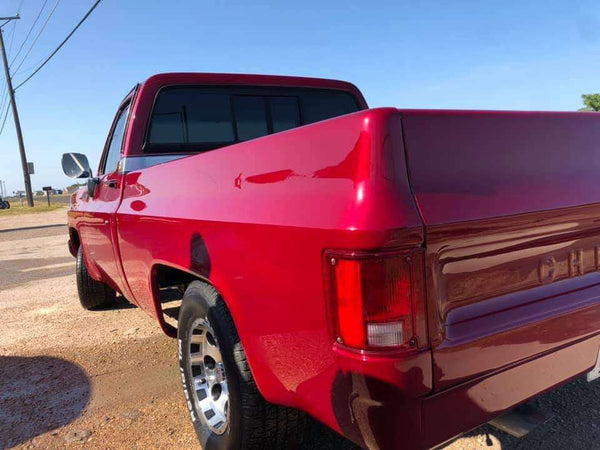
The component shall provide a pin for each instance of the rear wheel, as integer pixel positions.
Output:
(7, 205)
(227, 409)
(92, 294)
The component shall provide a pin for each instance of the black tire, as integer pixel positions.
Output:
(92, 294)
(7, 204)
(253, 423)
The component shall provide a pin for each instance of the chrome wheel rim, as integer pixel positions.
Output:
(209, 381)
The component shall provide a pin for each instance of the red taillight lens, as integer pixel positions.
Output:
(377, 301)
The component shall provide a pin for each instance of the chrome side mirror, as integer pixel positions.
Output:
(76, 165)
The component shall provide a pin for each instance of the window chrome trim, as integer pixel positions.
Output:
(134, 163)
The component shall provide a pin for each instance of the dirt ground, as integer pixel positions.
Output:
(109, 379)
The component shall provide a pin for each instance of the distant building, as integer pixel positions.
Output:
(72, 188)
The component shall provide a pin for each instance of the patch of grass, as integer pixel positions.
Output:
(16, 209)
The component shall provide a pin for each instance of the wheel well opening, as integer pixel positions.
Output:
(170, 285)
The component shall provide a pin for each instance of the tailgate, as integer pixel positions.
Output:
(510, 205)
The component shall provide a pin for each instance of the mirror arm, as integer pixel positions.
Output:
(92, 184)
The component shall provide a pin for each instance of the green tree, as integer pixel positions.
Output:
(591, 102)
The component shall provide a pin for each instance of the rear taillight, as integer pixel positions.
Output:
(377, 300)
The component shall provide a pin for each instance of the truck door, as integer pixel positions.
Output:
(98, 227)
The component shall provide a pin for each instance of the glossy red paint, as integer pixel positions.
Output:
(467, 405)
(508, 198)
(261, 244)
(94, 218)
(509, 223)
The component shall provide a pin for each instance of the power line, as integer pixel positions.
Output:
(12, 36)
(4, 89)
(60, 46)
(29, 32)
(4, 98)
(37, 37)
(5, 117)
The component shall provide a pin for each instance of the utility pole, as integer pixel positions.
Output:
(11, 93)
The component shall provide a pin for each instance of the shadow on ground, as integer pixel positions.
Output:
(574, 421)
(319, 437)
(119, 303)
(39, 394)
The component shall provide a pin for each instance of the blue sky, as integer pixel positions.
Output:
(531, 55)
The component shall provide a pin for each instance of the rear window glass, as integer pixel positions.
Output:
(285, 113)
(250, 117)
(193, 119)
(325, 105)
(188, 116)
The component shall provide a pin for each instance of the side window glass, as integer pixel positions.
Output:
(285, 113)
(250, 116)
(116, 142)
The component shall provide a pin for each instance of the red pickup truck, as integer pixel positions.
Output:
(400, 275)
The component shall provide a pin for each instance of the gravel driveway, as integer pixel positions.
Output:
(109, 379)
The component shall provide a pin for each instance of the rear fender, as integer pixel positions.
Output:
(255, 228)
